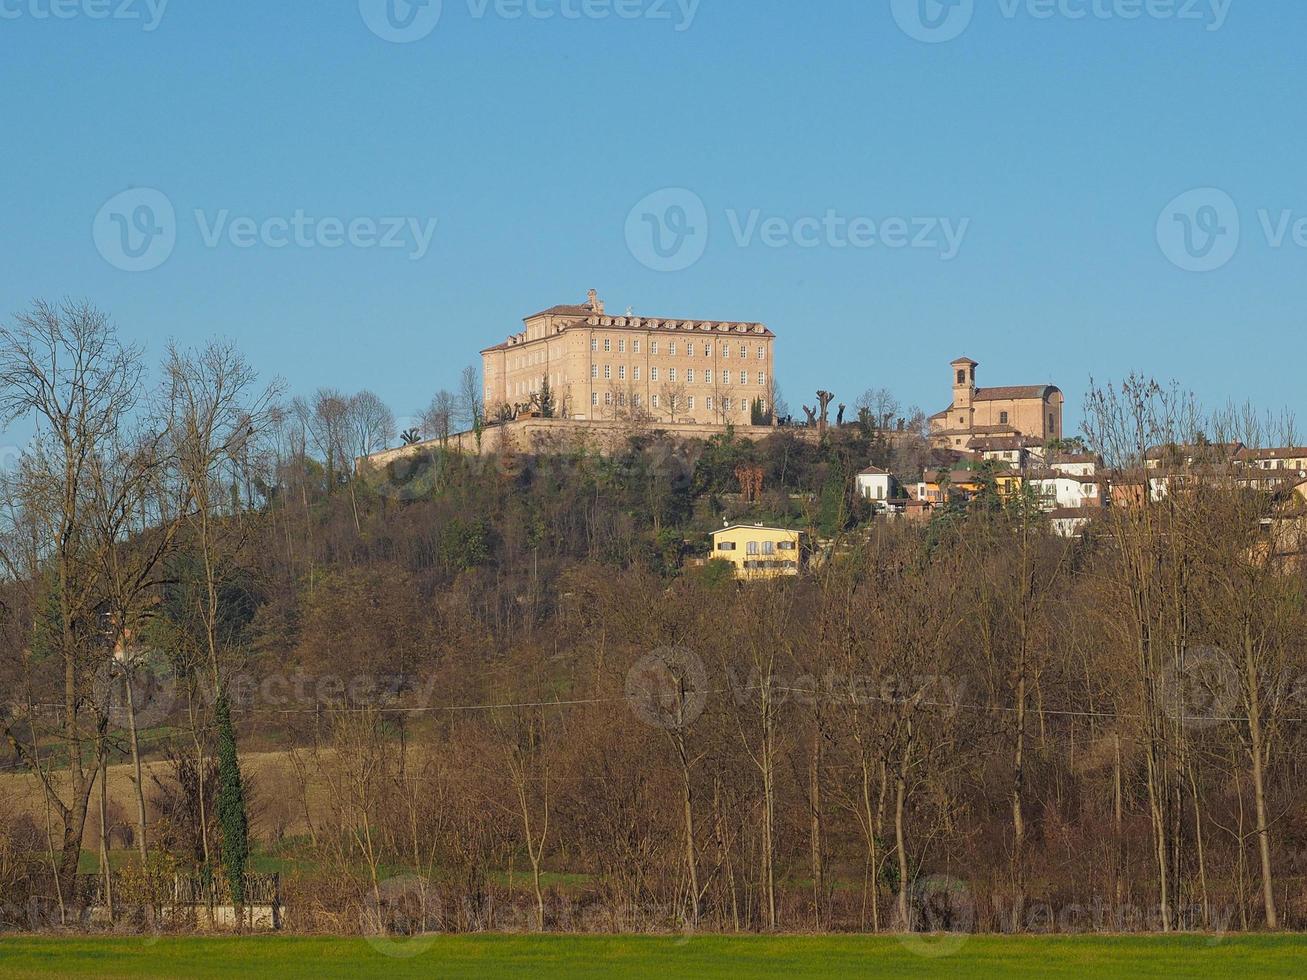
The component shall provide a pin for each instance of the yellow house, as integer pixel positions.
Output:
(1008, 483)
(757, 551)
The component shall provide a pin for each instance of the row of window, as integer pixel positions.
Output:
(690, 347)
(673, 375)
(758, 547)
(685, 402)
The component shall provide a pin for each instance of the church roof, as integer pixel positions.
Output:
(1012, 392)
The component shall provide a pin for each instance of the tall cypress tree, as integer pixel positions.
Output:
(231, 805)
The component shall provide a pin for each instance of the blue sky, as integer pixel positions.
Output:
(1053, 146)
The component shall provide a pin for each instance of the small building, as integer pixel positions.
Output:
(1074, 464)
(1069, 522)
(877, 485)
(1064, 490)
(758, 551)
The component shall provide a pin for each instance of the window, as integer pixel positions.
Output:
(962, 376)
(594, 398)
(744, 377)
(608, 344)
(621, 346)
(709, 401)
(726, 351)
(594, 343)
(726, 377)
(707, 350)
(671, 348)
(707, 377)
(762, 378)
(689, 375)
(689, 349)
(608, 397)
(725, 545)
(637, 372)
(689, 403)
(769, 547)
(621, 372)
(1052, 425)
(653, 347)
(653, 400)
(744, 352)
(1002, 418)
(635, 346)
(752, 548)
(653, 374)
(762, 352)
(671, 374)
(726, 404)
(594, 370)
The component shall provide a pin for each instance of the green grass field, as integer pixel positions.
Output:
(536, 957)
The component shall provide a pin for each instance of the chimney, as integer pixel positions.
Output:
(595, 302)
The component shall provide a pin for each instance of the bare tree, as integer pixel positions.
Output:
(65, 368)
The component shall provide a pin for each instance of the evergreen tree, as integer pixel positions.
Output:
(231, 805)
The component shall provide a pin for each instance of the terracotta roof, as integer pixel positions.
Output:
(565, 309)
(874, 471)
(999, 443)
(1289, 452)
(1206, 449)
(1074, 458)
(1013, 392)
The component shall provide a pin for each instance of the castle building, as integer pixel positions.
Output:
(600, 367)
(1022, 411)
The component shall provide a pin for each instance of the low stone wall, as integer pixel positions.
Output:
(540, 435)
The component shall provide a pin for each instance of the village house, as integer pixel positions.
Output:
(1065, 490)
(877, 485)
(1016, 451)
(757, 551)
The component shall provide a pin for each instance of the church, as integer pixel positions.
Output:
(1032, 413)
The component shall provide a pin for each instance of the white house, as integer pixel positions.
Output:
(1061, 491)
(876, 485)
(1070, 522)
(1075, 464)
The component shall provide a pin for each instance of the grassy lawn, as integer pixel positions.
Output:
(537, 957)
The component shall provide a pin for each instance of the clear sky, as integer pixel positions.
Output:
(883, 194)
